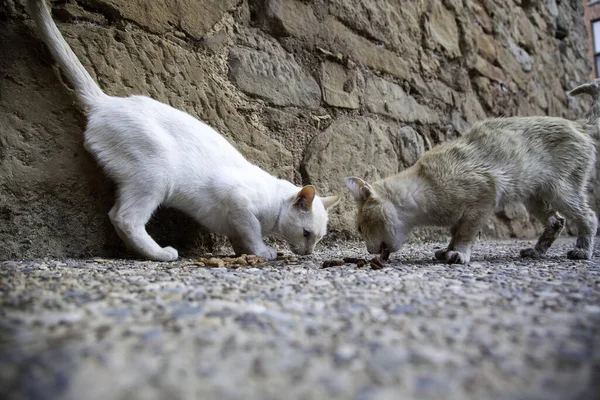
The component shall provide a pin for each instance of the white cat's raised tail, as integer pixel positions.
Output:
(157, 155)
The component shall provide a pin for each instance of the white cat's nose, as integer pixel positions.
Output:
(302, 252)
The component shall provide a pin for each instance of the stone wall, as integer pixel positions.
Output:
(311, 90)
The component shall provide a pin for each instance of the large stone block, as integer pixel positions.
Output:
(393, 23)
(194, 17)
(54, 198)
(486, 46)
(443, 29)
(387, 98)
(512, 67)
(278, 80)
(488, 70)
(339, 86)
(294, 18)
(408, 144)
(471, 108)
(527, 35)
(290, 17)
(337, 38)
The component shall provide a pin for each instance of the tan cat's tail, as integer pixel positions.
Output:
(593, 89)
(88, 92)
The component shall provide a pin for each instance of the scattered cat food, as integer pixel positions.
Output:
(374, 263)
(230, 262)
(287, 259)
(332, 263)
(385, 252)
(246, 260)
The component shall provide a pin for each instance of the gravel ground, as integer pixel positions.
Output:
(501, 328)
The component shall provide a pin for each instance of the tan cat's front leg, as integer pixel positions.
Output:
(466, 231)
(461, 253)
(441, 254)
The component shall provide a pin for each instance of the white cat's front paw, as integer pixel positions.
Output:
(268, 253)
(167, 254)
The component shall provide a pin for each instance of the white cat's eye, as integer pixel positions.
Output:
(305, 233)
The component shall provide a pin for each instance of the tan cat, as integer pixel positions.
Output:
(543, 162)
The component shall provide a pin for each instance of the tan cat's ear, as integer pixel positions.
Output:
(305, 197)
(330, 201)
(360, 189)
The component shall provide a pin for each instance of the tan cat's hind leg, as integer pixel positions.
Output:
(553, 226)
(573, 204)
(587, 224)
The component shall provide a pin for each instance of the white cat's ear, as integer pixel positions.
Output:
(360, 189)
(305, 197)
(330, 201)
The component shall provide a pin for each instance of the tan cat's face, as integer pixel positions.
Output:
(305, 222)
(377, 219)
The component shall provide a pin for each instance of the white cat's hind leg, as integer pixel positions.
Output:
(129, 216)
(112, 214)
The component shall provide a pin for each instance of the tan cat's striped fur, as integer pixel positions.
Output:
(544, 162)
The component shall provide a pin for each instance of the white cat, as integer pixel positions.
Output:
(159, 155)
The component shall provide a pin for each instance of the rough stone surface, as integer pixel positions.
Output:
(194, 18)
(271, 76)
(338, 38)
(386, 98)
(509, 63)
(409, 146)
(443, 29)
(486, 46)
(499, 328)
(275, 79)
(393, 23)
(488, 70)
(339, 86)
(291, 17)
